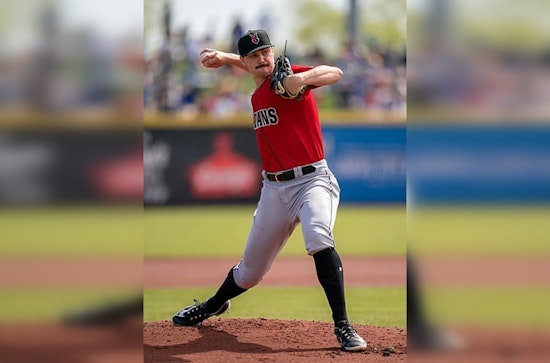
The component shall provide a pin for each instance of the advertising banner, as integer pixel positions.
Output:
(70, 166)
(191, 166)
(453, 164)
(368, 161)
(201, 166)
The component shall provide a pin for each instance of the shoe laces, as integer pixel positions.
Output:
(196, 306)
(347, 330)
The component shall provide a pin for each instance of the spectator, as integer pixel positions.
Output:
(374, 79)
(236, 32)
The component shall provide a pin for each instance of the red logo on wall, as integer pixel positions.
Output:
(119, 179)
(224, 173)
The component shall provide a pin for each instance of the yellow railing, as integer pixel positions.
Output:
(157, 120)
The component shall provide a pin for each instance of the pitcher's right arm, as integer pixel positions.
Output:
(212, 58)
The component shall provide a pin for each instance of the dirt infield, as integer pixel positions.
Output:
(289, 271)
(268, 340)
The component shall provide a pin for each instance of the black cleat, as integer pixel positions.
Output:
(194, 314)
(348, 337)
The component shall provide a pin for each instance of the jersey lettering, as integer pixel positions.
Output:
(265, 117)
(296, 138)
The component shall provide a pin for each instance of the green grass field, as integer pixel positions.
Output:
(222, 231)
(492, 231)
(520, 232)
(447, 231)
(380, 306)
(519, 306)
(65, 235)
(88, 232)
(69, 232)
(20, 305)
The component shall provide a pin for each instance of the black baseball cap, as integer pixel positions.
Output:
(252, 41)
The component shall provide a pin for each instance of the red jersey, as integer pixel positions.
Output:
(288, 132)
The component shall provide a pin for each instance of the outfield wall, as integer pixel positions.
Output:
(201, 166)
(177, 166)
(65, 166)
(180, 166)
(460, 163)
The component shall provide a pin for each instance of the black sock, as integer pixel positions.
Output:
(228, 290)
(331, 276)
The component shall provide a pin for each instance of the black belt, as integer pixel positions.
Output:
(289, 175)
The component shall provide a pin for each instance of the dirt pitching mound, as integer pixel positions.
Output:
(266, 340)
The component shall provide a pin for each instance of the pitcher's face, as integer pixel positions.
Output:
(260, 63)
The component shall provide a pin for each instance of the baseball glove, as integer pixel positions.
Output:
(280, 72)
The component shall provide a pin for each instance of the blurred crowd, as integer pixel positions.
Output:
(485, 83)
(176, 83)
(97, 77)
(78, 74)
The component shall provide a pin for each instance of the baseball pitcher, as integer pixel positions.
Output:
(298, 186)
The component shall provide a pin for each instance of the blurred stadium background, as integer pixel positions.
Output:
(95, 96)
(477, 175)
(371, 53)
